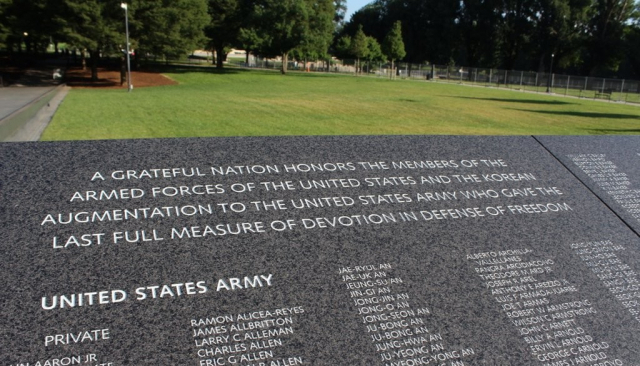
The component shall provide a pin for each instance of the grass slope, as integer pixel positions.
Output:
(259, 103)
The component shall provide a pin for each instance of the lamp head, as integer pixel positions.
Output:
(123, 6)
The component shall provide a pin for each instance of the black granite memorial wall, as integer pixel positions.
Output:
(286, 251)
(608, 165)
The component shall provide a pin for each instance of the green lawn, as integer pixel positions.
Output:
(259, 103)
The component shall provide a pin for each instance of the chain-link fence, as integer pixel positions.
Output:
(615, 90)
(577, 86)
(361, 68)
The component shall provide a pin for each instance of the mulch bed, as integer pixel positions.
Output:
(110, 79)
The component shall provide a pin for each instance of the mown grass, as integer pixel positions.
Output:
(261, 103)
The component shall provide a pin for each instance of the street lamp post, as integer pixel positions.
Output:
(550, 82)
(126, 22)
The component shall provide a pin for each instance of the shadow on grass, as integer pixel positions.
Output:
(601, 131)
(525, 101)
(209, 69)
(585, 114)
(185, 69)
(303, 74)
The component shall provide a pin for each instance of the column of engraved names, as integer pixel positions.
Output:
(621, 281)
(541, 307)
(254, 338)
(396, 329)
(617, 184)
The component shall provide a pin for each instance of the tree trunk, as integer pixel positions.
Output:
(246, 58)
(392, 74)
(137, 60)
(285, 62)
(95, 54)
(83, 56)
(541, 63)
(219, 57)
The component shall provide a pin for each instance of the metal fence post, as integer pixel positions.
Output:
(621, 89)
(475, 79)
(506, 78)
(566, 91)
(586, 83)
(536, 82)
(521, 75)
(490, 75)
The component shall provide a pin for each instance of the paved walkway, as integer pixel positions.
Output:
(14, 98)
(32, 130)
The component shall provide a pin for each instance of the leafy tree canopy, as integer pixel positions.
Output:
(393, 46)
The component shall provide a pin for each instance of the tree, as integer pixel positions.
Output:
(393, 46)
(632, 42)
(479, 25)
(278, 27)
(4, 22)
(605, 46)
(560, 28)
(373, 18)
(223, 30)
(317, 39)
(516, 30)
(375, 50)
(359, 47)
(429, 26)
(27, 21)
(250, 41)
(282, 26)
(374, 53)
(169, 28)
(93, 25)
(343, 47)
(340, 7)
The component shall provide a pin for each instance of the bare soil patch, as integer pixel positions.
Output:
(110, 79)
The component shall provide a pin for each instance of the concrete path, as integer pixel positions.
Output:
(32, 130)
(14, 98)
